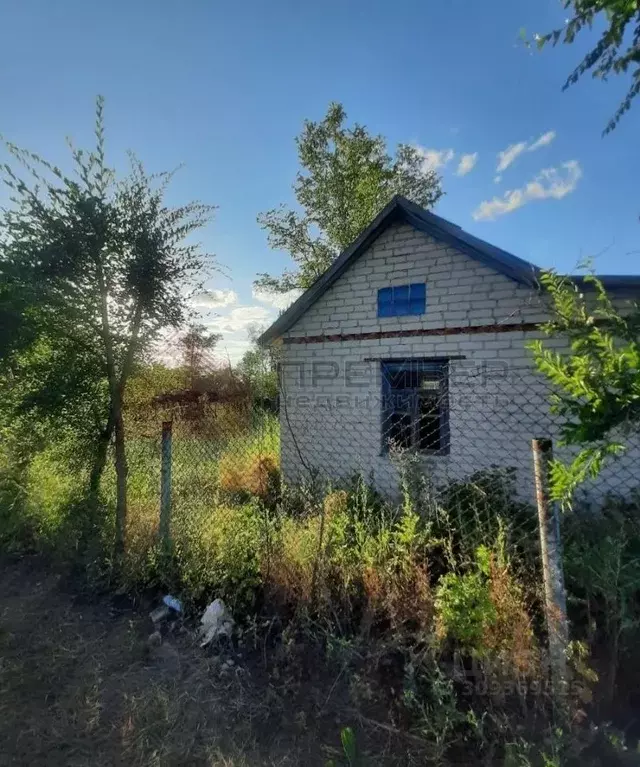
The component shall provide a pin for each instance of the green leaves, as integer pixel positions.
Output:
(596, 381)
(346, 178)
(92, 268)
(348, 740)
(622, 18)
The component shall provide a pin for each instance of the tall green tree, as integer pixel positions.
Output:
(258, 367)
(196, 345)
(596, 380)
(108, 257)
(617, 50)
(347, 176)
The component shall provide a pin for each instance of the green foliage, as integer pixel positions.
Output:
(609, 55)
(91, 270)
(464, 515)
(347, 177)
(596, 380)
(347, 568)
(146, 383)
(602, 569)
(349, 749)
(429, 695)
(464, 608)
(258, 367)
(197, 345)
(218, 554)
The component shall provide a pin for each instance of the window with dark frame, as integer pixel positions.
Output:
(402, 300)
(415, 413)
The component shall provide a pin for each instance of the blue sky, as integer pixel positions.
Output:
(224, 88)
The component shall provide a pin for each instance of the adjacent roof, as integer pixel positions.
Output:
(401, 210)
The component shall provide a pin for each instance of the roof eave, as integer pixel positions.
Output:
(518, 270)
(387, 216)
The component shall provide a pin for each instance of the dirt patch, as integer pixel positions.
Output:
(80, 685)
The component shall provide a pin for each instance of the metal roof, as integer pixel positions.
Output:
(402, 210)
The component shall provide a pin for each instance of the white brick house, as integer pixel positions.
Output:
(416, 306)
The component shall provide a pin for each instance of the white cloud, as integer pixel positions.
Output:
(509, 155)
(214, 299)
(232, 348)
(544, 140)
(279, 301)
(467, 164)
(497, 179)
(551, 183)
(434, 159)
(241, 318)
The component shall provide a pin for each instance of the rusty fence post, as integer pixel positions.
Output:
(551, 552)
(165, 484)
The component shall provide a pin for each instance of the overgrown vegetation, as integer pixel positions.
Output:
(435, 624)
(425, 611)
(596, 381)
(92, 269)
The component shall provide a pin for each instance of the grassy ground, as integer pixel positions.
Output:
(80, 685)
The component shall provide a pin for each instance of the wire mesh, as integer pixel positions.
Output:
(454, 435)
(361, 490)
(456, 419)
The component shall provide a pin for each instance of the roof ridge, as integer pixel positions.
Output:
(400, 208)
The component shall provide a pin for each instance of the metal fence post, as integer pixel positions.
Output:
(165, 484)
(551, 552)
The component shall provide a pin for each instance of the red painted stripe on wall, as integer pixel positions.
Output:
(453, 331)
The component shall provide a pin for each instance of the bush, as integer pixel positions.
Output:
(250, 465)
(465, 610)
(419, 590)
(602, 571)
(217, 553)
(484, 612)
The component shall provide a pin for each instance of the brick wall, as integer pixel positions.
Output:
(331, 408)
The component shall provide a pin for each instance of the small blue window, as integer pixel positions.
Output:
(402, 300)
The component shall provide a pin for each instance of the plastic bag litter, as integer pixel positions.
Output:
(216, 621)
(173, 603)
(159, 614)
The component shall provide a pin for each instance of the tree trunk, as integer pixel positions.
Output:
(121, 480)
(115, 410)
(116, 392)
(121, 456)
(100, 461)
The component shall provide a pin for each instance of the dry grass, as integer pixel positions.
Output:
(80, 686)
(253, 474)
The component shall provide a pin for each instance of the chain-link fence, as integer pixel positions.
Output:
(458, 419)
(450, 427)
(461, 448)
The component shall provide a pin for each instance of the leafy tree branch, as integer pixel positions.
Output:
(91, 269)
(347, 176)
(596, 380)
(617, 50)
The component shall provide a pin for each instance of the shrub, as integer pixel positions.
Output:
(480, 509)
(464, 610)
(217, 553)
(296, 551)
(250, 465)
(485, 613)
(403, 599)
(602, 570)
(510, 638)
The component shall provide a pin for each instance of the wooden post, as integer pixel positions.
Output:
(551, 552)
(165, 484)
